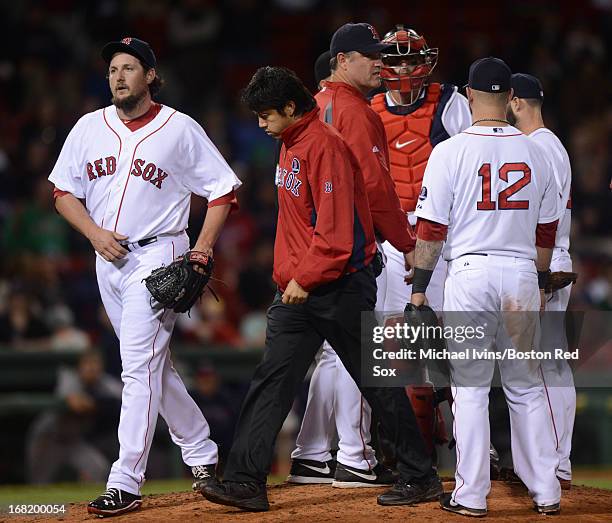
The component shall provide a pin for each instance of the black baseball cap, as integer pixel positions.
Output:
(490, 75)
(138, 48)
(362, 38)
(321, 68)
(527, 86)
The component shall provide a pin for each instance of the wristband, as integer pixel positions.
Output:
(543, 279)
(420, 280)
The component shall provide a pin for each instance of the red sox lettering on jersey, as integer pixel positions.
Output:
(96, 169)
(289, 179)
(150, 172)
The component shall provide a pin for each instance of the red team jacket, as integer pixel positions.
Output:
(324, 227)
(348, 111)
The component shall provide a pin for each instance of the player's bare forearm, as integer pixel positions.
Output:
(543, 258)
(427, 254)
(103, 241)
(75, 214)
(213, 224)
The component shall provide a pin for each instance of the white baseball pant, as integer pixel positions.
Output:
(557, 372)
(151, 385)
(499, 283)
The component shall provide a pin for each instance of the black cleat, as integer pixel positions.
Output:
(113, 503)
(447, 503)
(308, 471)
(555, 508)
(494, 463)
(249, 496)
(351, 477)
(566, 484)
(202, 474)
(408, 493)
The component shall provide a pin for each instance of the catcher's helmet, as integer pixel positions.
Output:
(407, 62)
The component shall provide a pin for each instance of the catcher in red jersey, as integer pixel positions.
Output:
(417, 115)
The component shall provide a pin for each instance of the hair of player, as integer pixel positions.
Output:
(491, 99)
(273, 88)
(534, 103)
(157, 83)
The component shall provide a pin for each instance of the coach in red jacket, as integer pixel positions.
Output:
(322, 266)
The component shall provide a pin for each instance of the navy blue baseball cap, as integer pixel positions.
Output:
(527, 86)
(362, 38)
(138, 48)
(490, 75)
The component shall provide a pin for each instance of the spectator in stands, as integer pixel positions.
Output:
(73, 434)
(65, 335)
(21, 325)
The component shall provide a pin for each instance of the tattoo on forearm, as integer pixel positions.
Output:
(426, 254)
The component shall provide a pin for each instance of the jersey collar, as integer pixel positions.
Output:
(340, 86)
(481, 130)
(294, 132)
(113, 120)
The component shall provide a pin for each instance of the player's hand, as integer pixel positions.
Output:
(409, 266)
(294, 294)
(206, 250)
(418, 298)
(106, 243)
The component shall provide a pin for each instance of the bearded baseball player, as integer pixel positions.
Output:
(124, 179)
(417, 115)
(525, 112)
(491, 193)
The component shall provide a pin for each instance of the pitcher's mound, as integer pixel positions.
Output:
(322, 503)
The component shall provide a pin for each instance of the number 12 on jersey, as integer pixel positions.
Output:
(503, 202)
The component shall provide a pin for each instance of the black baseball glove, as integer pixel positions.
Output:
(179, 285)
(558, 280)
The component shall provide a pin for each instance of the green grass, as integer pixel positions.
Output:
(74, 492)
(598, 482)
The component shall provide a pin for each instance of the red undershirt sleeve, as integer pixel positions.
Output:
(58, 193)
(429, 231)
(229, 198)
(545, 234)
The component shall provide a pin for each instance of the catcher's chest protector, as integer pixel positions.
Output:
(410, 143)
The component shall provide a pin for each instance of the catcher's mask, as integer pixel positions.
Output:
(407, 62)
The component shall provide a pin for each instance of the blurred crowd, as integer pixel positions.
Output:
(51, 73)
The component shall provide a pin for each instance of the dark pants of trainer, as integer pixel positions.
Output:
(294, 335)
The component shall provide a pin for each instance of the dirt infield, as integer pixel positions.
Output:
(322, 503)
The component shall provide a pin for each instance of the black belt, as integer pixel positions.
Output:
(474, 254)
(140, 243)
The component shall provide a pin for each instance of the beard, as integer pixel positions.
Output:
(510, 116)
(130, 102)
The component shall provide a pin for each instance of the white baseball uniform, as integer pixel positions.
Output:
(492, 186)
(340, 406)
(557, 372)
(139, 184)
